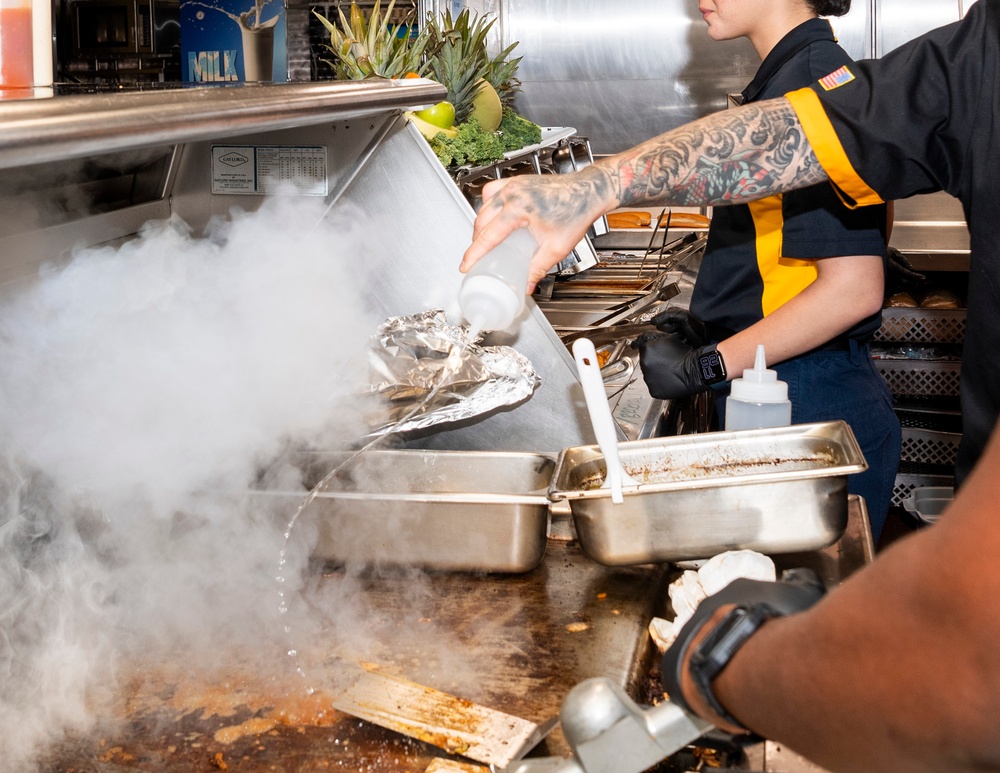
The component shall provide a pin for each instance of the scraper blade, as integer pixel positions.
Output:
(454, 724)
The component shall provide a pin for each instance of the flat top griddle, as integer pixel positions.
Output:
(526, 641)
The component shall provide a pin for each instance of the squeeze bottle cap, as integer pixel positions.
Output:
(489, 303)
(759, 385)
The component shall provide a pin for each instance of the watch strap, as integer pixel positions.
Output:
(715, 651)
(689, 684)
(711, 366)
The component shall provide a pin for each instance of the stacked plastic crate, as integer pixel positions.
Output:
(918, 352)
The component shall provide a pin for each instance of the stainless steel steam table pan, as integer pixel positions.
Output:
(443, 510)
(772, 490)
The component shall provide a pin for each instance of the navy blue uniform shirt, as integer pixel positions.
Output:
(926, 117)
(758, 255)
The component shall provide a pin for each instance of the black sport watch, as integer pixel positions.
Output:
(711, 367)
(715, 651)
(748, 605)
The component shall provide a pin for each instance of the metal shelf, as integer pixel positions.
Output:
(938, 261)
(925, 326)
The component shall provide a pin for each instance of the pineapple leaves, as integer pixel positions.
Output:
(459, 58)
(453, 51)
(501, 74)
(373, 47)
(450, 49)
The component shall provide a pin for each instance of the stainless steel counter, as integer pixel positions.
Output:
(371, 168)
(516, 643)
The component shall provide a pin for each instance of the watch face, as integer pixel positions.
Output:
(712, 368)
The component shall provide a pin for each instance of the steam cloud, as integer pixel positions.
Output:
(133, 382)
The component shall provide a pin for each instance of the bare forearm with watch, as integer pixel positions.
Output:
(895, 669)
(847, 290)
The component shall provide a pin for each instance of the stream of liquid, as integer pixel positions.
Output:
(445, 378)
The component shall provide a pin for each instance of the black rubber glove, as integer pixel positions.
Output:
(673, 369)
(750, 603)
(899, 273)
(682, 324)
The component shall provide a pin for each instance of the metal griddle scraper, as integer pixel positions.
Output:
(456, 725)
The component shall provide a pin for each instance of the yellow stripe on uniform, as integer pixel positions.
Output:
(783, 278)
(854, 191)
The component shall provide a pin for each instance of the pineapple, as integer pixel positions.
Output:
(458, 59)
(502, 75)
(365, 48)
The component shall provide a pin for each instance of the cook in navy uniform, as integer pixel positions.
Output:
(925, 118)
(804, 260)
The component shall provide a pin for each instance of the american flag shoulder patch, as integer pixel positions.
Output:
(836, 78)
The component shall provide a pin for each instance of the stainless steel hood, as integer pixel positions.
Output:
(416, 221)
(65, 127)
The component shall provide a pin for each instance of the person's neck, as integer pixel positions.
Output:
(776, 28)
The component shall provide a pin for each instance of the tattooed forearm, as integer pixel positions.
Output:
(730, 157)
(736, 156)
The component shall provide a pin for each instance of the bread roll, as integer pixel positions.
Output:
(941, 299)
(629, 219)
(684, 220)
(901, 301)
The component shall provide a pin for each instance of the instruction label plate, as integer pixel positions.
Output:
(263, 170)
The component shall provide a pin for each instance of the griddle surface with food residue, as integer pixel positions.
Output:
(523, 642)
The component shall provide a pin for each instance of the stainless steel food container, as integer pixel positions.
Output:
(772, 490)
(444, 510)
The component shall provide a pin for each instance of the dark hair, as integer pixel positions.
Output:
(830, 7)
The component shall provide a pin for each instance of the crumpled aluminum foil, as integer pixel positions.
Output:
(426, 371)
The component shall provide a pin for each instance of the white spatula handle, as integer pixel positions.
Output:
(600, 412)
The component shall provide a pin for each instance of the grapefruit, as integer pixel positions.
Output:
(486, 106)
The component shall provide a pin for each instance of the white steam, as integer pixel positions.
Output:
(135, 385)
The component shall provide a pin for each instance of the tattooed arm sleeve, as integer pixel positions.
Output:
(729, 157)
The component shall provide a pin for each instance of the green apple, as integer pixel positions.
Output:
(442, 114)
(429, 130)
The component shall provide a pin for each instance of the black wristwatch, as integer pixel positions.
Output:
(710, 365)
(749, 604)
(716, 650)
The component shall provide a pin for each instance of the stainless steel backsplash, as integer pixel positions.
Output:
(621, 72)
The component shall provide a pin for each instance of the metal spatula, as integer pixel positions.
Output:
(601, 418)
(456, 725)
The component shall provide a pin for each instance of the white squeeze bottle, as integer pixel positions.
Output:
(492, 293)
(758, 399)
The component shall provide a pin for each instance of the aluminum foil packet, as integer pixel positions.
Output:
(424, 371)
